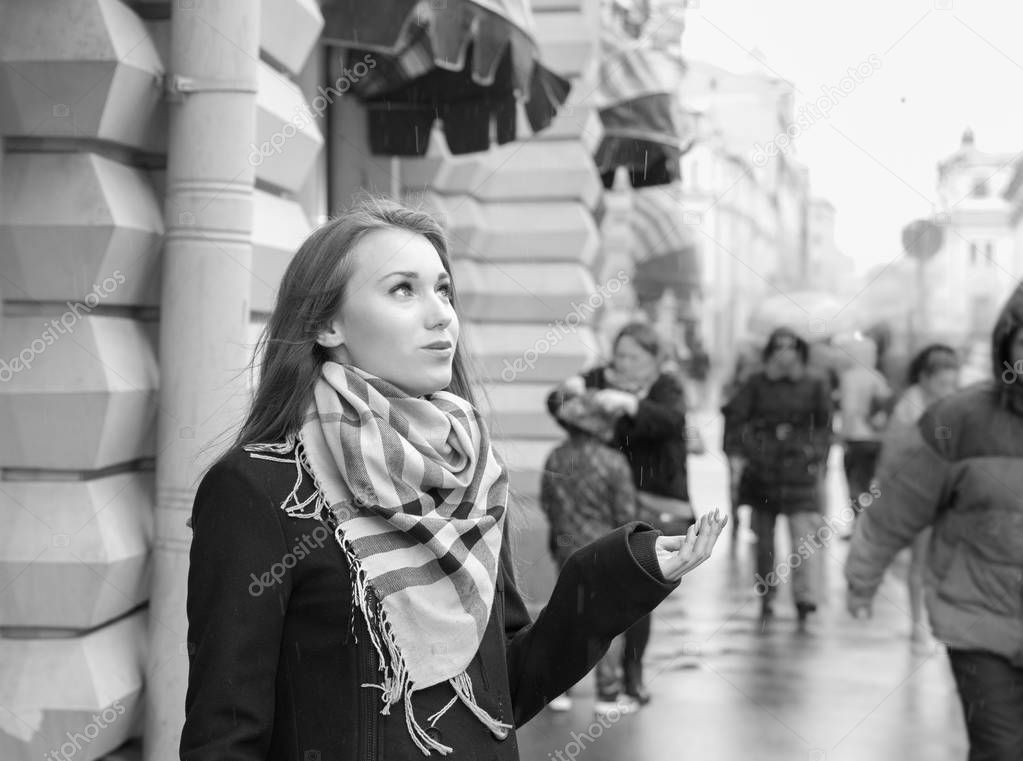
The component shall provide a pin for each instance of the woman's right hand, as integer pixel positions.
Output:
(678, 555)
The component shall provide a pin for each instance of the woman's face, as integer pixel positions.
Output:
(634, 362)
(941, 383)
(396, 320)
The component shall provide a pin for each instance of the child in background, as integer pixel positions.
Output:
(586, 491)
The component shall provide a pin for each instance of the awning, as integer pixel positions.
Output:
(645, 129)
(665, 248)
(470, 63)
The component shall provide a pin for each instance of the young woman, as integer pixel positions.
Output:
(351, 594)
(651, 433)
(933, 375)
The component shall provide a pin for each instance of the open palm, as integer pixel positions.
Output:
(678, 555)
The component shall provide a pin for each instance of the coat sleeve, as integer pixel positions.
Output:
(738, 413)
(820, 426)
(601, 591)
(661, 415)
(912, 477)
(235, 620)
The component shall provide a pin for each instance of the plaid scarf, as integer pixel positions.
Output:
(416, 499)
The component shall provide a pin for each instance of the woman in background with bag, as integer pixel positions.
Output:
(651, 433)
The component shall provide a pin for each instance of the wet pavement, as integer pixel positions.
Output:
(726, 688)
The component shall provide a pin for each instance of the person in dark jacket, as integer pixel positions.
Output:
(781, 432)
(350, 592)
(962, 475)
(651, 433)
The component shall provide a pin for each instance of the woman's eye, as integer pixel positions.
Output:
(445, 289)
(405, 289)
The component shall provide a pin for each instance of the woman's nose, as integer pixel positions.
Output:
(439, 311)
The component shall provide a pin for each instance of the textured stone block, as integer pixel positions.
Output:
(74, 554)
(80, 398)
(525, 459)
(557, 231)
(532, 353)
(576, 122)
(287, 137)
(81, 69)
(520, 409)
(76, 227)
(520, 292)
(460, 215)
(88, 687)
(289, 30)
(524, 171)
(568, 40)
(278, 228)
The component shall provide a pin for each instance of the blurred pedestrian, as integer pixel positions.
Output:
(747, 362)
(963, 476)
(863, 413)
(401, 633)
(586, 491)
(781, 433)
(651, 433)
(933, 375)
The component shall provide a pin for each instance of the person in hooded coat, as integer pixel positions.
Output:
(963, 475)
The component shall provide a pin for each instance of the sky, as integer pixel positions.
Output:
(938, 67)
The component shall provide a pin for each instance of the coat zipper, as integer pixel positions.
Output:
(369, 699)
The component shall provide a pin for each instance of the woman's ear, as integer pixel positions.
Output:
(331, 336)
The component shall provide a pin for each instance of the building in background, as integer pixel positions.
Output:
(827, 268)
(746, 197)
(969, 279)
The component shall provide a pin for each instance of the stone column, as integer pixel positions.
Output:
(205, 305)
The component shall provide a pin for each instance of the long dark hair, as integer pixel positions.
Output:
(287, 356)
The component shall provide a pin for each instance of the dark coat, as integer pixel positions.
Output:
(962, 473)
(782, 428)
(275, 668)
(654, 439)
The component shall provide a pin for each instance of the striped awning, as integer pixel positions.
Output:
(665, 247)
(471, 63)
(645, 129)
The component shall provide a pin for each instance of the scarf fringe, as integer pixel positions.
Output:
(395, 684)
